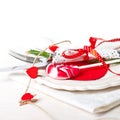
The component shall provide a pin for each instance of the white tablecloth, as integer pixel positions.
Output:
(13, 86)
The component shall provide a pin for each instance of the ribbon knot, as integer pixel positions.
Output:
(91, 49)
(85, 50)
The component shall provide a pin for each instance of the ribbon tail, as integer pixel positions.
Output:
(114, 72)
(96, 54)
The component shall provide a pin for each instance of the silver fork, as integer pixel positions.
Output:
(41, 62)
(25, 58)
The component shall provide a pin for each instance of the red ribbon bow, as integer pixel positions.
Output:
(91, 49)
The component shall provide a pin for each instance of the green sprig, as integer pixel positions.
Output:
(42, 53)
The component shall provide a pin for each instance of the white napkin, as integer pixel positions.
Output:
(91, 101)
(94, 101)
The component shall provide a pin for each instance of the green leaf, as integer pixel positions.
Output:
(42, 53)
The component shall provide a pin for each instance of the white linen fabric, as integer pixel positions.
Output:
(91, 101)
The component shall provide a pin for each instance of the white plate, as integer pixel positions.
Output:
(109, 80)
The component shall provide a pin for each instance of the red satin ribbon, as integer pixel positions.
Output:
(91, 49)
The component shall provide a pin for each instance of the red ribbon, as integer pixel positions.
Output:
(91, 49)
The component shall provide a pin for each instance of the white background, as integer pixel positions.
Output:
(26, 23)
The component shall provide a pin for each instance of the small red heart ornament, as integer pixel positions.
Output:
(32, 72)
(27, 96)
(53, 48)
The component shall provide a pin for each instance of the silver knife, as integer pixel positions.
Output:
(22, 67)
(40, 62)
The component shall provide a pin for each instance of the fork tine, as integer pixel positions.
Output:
(22, 57)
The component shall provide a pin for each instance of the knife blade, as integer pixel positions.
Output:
(23, 67)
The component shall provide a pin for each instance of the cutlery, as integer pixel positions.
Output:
(25, 58)
(22, 67)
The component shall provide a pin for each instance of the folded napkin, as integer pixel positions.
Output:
(91, 101)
